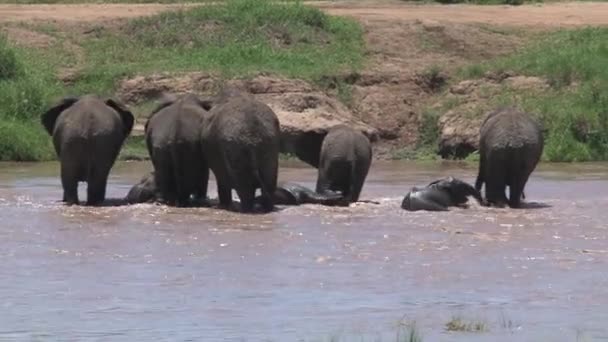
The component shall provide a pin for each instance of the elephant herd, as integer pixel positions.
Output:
(238, 138)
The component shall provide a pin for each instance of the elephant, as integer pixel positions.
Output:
(510, 146)
(344, 162)
(173, 140)
(144, 191)
(241, 141)
(295, 194)
(87, 134)
(439, 195)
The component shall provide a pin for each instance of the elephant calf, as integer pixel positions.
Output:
(295, 194)
(174, 143)
(88, 133)
(344, 161)
(144, 191)
(241, 142)
(510, 146)
(439, 195)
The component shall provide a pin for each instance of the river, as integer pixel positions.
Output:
(310, 273)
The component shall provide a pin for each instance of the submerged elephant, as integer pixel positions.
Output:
(240, 140)
(296, 194)
(439, 195)
(144, 191)
(173, 138)
(344, 161)
(88, 133)
(510, 146)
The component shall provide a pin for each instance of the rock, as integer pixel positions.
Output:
(526, 82)
(464, 87)
(304, 113)
(459, 134)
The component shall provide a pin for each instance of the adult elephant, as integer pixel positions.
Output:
(88, 133)
(510, 146)
(241, 142)
(439, 195)
(344, 161)
(173, 138)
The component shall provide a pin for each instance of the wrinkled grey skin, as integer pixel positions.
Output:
(173, 138)
(296, 194)
(88, 133)
(241, 142)
(439, 195)
(510, 145)
(144, 191)
(345, 159)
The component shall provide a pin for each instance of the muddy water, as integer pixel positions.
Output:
(309, 273)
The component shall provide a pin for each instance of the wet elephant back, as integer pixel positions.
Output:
(510, 129)
(252, 122)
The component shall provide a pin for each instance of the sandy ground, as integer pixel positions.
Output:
(552, 15)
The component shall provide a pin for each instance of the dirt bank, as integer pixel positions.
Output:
(413, 49)
(549, 15)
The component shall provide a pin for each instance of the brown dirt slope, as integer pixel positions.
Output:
(413, 49)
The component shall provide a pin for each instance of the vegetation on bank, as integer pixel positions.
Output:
(573, 109)
(235, 38)
(26, 87)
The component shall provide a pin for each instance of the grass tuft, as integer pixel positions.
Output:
(458, 324)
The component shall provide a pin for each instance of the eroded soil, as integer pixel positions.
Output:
(405, 42)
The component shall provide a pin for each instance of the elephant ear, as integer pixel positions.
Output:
(50, 116)
(127, 117)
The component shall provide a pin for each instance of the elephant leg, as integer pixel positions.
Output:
(165, 184)
(516, 190)
(481, 173)
(495, 192)
(247, 197)
(69, 181)
(224, 192)
(268, 173)
(322, 181)
(267, 203)
(358, 179)
(96, 190)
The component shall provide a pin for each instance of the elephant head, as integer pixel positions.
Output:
(49, 118)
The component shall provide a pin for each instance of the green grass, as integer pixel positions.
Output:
(461, 325)
(237, 38)
(26, 89)
(574, 111)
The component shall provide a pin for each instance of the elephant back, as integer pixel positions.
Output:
(510, 128)
(90, 117)
(249, 120)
